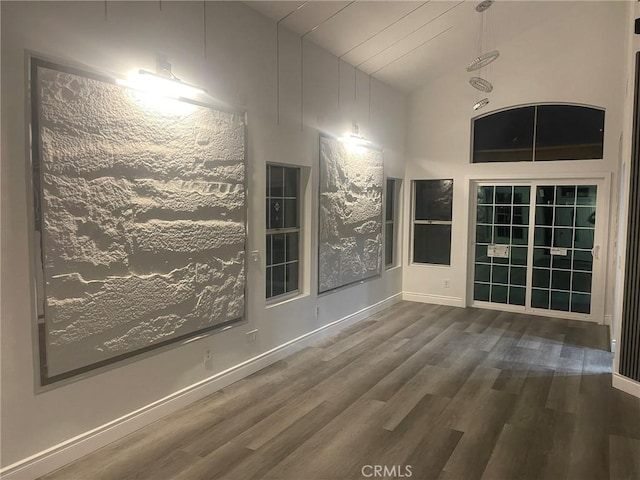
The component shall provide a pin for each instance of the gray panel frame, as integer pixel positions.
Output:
(42, 381)
(369, 146)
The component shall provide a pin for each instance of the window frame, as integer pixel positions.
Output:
(415, 222)
(270, 232)
(395, 206)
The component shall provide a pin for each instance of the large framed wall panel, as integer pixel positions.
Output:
(350, 230)
(140, 219)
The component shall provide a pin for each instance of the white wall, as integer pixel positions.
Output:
(239, 68)
(575, 55)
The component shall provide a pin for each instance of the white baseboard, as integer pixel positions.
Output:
(626, 385)
(436, 299)
(59, 455)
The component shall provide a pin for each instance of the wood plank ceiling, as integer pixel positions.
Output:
(402, 43)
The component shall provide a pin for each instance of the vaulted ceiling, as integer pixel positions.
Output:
(404, 44)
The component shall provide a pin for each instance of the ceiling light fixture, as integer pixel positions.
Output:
(481, 59)
(480, 104)
(481, 84)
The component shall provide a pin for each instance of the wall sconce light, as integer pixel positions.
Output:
(355, 138)
(164, 83)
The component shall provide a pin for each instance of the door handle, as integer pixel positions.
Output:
(595, 252)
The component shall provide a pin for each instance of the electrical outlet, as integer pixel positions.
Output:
(208, 359)
(252, 336)
(446, 283)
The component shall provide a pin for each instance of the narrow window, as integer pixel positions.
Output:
(283, 230)
(432, 212)
(391, 214)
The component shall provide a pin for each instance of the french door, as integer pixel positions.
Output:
(537, 248)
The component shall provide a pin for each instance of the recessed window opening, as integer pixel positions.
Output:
(283, 231)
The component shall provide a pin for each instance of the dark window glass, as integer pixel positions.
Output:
(540, 298)
(505, 136)
(276, 182)
(290, 182)
(499, 293)
(433, 202)
(503, 194)
(560, 301)
(483, 234)
(485, 195)
(518, 255)
(580, 303)
(388, 245)
(389, 200)
(390, 215)
(521, 195)
(569, 132)
(432, 244)
(292, 247)
(291, 213)
(561, 280)
(541, 277)
(483, 273)
(433, 199)
(500, 274)
(517, 296)
(562, 132)
(481, 292)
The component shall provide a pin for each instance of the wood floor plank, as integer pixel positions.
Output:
(453, 393)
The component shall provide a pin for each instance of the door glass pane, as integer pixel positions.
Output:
(518, 276)
(541, 257)
(586, 217)
(562, 261)
(481, 292)
(580, 303)
(520, 215)
(560, 301)
(583, 260)
(483, 234)
(483, 273)
(521, 195)
(541, 277)
(540, 298)
(503, 195)
(564, 216)
(485, 195)
(499, 293)
(566, 285)
(503, 219)
(517, 296)
(518, 255)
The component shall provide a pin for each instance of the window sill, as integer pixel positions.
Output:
(284, 299)
(429, 265)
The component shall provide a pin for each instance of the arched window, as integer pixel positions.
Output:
(544, 132)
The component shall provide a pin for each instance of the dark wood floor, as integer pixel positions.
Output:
(452, 393)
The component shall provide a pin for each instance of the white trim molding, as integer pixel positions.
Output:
(435, 299)
(625, 384)
(59, 455)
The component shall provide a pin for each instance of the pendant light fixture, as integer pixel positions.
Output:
(482, 58)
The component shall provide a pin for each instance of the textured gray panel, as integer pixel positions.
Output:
(142, 218)
(350, 232)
